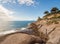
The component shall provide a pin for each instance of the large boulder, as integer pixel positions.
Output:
(21, 38)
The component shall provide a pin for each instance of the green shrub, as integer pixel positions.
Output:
(52, 21)
(58, 17)
(49, 22)
(39, 19)
(55, 22)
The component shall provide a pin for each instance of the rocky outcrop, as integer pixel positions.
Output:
(35, 27)
(55, 35)
(39, 32)
(24, 36)
(21, 38)
(52, 31)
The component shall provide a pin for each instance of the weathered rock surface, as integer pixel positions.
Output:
(50, 34)
(21, 38)
(54, 36)
(52, 31)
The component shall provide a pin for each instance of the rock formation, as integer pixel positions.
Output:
(21, 38)
(43, 31)
(51, 30)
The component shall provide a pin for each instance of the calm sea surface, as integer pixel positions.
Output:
(19, 24)
(12, 25)
(8, 27)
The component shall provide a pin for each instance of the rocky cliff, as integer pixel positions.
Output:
(50, 28)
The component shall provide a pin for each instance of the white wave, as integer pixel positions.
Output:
(29, 24)
(26, 30)
(7, 32)
(12, 31)
(22, 30)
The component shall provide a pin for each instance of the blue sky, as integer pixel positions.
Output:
(27, 9)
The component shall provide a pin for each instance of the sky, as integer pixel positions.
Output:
(21, 10)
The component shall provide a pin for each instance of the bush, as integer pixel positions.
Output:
(39, 19)
(58, 17)
(52, 21)
(49, 22)
(55, 22)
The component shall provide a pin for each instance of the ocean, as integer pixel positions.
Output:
(19, 24)
(12, 26)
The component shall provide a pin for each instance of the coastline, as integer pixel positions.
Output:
(39, 28)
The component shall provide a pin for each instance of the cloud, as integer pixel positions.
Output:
(27, 2)
(8, 15)
(21, 2)
(5, 14)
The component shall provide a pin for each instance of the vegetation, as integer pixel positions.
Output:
(43, 36)
(58, 17)
(46, 12)
(54, 11)
(49, 22)
(58, 11)
(52, 21)
(34, 27)
(39, 19)
(55, 22)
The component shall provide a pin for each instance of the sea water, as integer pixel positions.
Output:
(15, 25)
(12, 26)
(19, 24)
